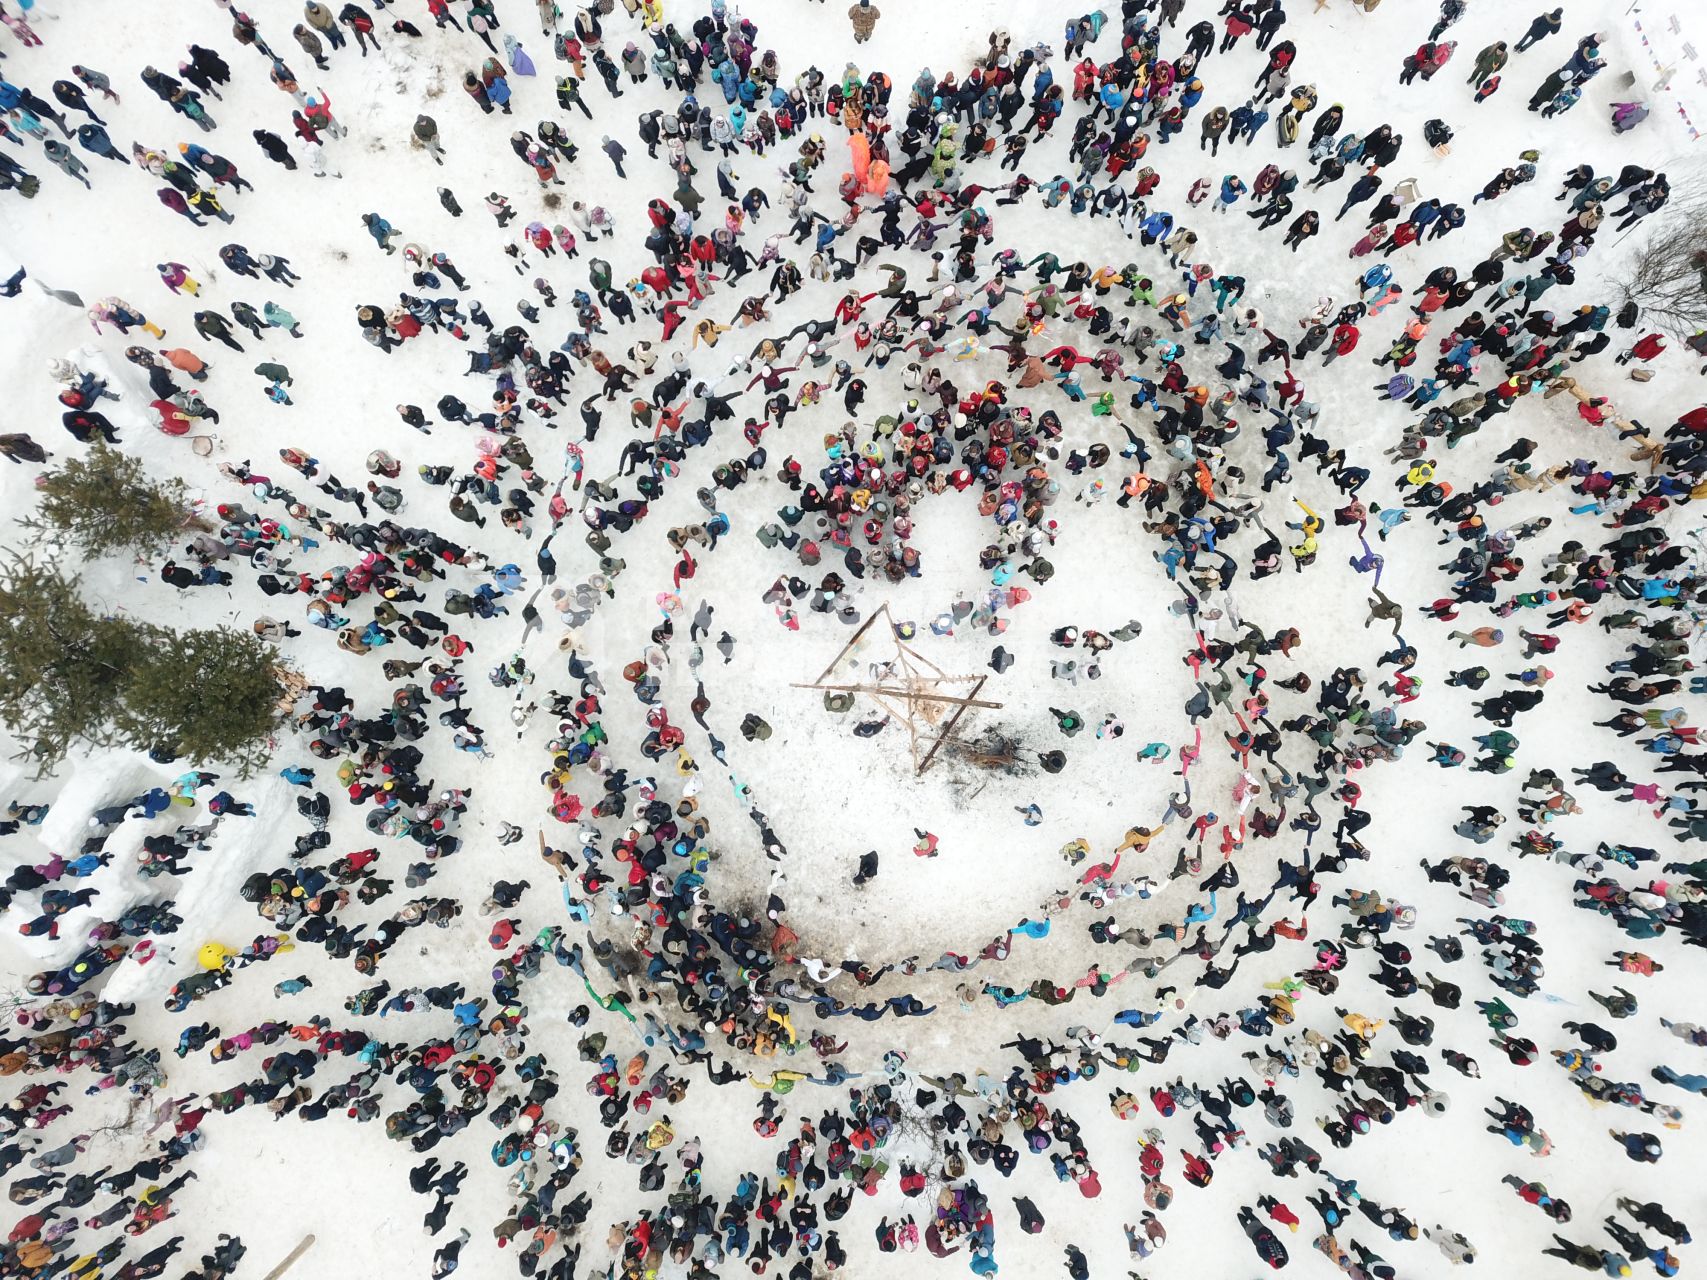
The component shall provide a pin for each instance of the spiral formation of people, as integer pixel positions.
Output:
(640, 618)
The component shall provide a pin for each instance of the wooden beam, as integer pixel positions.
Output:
(291, 1258)
(912, 723)
(911, 652)
(879, 690)
(882, 612)
(948, 729)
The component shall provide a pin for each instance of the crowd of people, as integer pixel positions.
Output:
(881, 212)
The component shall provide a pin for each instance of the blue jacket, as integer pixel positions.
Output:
(94, 138)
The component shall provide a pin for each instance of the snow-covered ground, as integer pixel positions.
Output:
(829, 795)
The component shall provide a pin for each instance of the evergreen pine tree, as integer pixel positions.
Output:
(72, 678)
(63, 668)
(206, 695)
(107, 502)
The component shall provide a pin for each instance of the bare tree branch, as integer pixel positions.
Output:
(1668, 278)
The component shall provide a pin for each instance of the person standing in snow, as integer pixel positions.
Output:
(864, 16)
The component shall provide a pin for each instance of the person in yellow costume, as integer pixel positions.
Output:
(1361, 1025)
(777, 1081)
